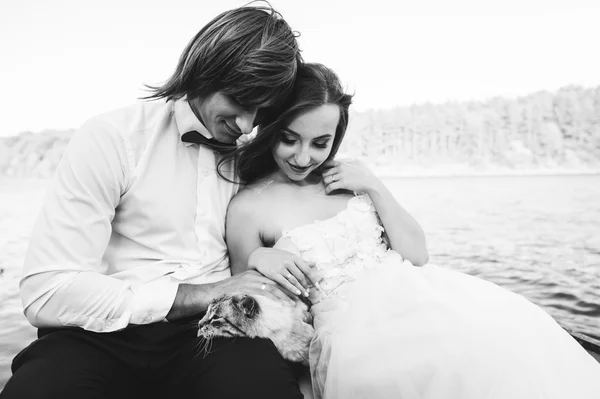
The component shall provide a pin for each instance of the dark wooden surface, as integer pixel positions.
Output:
(590, 344)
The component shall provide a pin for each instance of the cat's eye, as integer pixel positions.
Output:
(216, 321)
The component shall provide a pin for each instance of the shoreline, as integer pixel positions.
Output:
(384, 172)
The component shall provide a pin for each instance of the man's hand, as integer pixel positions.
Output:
(285, 268)
(252, 283)
(192, 299)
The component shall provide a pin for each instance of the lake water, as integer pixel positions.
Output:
(535, 235)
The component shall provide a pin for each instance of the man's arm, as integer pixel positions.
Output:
(65, 282)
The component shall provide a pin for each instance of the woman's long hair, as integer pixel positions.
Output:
(249, 53)
(315, 85)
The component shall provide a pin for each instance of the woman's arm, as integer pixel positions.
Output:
(245, 217)
(242, 231)
(404, 233)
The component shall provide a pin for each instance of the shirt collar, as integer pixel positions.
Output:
(186, 120)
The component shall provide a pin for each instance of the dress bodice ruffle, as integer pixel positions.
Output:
(344, 245)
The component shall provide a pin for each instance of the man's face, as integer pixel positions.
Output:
(223, 117)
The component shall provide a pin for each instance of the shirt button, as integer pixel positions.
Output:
(148, 319)
(205, 172)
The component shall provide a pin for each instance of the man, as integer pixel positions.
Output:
(129, 247)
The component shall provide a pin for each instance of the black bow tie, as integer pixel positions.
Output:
(215, 145)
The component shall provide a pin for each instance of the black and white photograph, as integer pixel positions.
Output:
(317, 199)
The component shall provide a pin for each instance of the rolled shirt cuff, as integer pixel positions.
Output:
(149, 303)
(152, 301)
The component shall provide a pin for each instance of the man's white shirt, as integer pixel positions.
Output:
(132, 212)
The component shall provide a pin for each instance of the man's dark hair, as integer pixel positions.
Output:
(249, 53)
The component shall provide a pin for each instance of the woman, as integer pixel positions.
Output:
(384, 327)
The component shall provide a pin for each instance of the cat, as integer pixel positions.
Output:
(288, 327)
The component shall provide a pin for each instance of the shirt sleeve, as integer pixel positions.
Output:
(65, 282)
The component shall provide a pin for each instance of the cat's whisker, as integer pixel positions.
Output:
(201, 341)
(200, 344)
(204, 344)
(205, 349)
(208, 347)
(191, 325)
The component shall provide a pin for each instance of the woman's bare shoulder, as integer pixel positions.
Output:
(252, 196)
(264, 195)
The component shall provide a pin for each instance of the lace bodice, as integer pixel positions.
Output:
(344, 245)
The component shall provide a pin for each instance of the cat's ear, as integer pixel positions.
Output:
(248, 306)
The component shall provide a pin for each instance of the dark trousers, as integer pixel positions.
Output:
(162, 360)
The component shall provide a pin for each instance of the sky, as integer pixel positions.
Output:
(63, 61)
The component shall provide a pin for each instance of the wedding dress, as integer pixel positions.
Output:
(387, 329)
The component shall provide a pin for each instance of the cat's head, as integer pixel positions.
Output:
(230, 316)
(289, 327)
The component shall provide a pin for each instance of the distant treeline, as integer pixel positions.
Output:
(540, 131)
(33, 154)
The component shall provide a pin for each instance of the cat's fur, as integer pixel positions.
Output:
(289, 327)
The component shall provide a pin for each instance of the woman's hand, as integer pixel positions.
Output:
(348, 174)
(283, 267)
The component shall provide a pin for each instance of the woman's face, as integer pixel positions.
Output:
(306, 142)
